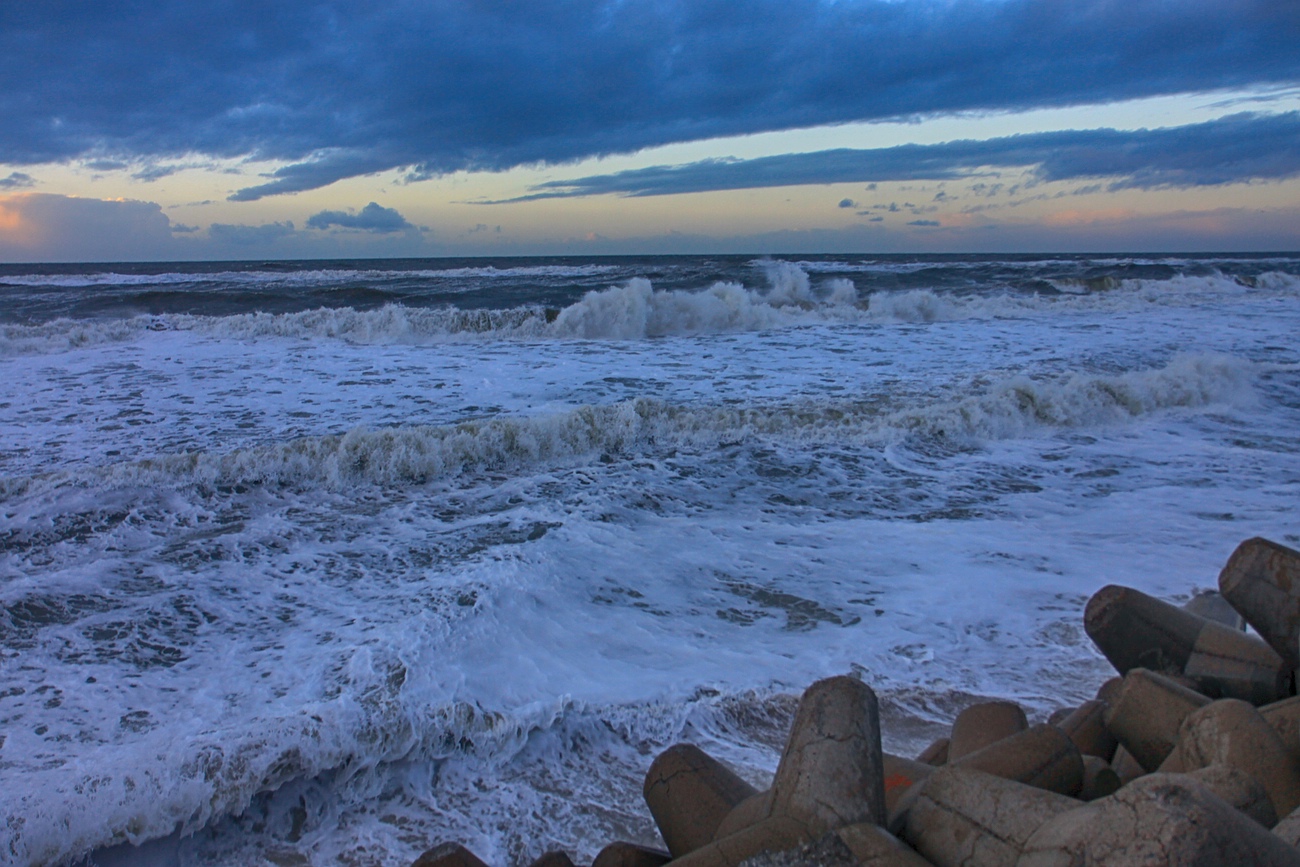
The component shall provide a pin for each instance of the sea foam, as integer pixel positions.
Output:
(416, 454)
(636, 310)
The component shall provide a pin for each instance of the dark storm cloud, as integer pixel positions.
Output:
(371, 218)
(338, 88)
(1241, 147)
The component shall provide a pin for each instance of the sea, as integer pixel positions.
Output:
(308, 563)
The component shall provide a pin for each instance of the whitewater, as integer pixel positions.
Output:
(329, 562)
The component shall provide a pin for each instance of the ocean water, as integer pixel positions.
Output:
(326, 563)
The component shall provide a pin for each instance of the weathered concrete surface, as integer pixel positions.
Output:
(1126, 766)
(936, 753)
(1227, 663)
(448, 855)
(1106, 692)
(554, 859)
(1134, 630)
(965, 818)
(982, 724)
(1238, 790)
(1289, 829)
(826, 851)
(1284, 717)
(1057, 716)
(773, 834)
(873, 846)
(1099, 779)
(1262, 580)
(860, 845)
(900, 775)
(1157, 821)
(1041, 756)
(1233, 733)
(621, 854)
(755, 808)
(689, 793)
(1086, 726)
(831, 773)
(1211, 605)
(1146, 713)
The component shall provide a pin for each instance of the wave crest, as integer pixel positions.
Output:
(636, 310)
(416, 454)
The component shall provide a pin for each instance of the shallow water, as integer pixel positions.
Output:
(329, 563)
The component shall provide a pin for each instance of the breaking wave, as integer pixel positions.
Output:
(636, 310)
(156, 789)
(416, 454)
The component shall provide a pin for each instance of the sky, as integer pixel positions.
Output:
(238, 129)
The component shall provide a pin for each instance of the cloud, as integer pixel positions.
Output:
(17, 181)
(334, 89)
(923, 223)
(848, 203)
(371, 218)
(1233, 149)
(241, 235)
(48, 227)
(103, 165)
(152, 173)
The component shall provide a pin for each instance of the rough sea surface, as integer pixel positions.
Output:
(326, 563)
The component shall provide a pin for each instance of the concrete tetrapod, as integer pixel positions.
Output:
(753, 809)
(1157, 821)
(448, 855)
(1147, 711)
(1284, 717)
(1228, 663)
(1086, 726)
(873, 846)
(1099, 779)
(1262, 580)
(1134, 630)
(1233, 733)
(831, 773)
(1042, 756)
(1211, 605)
(773, 834)
(936, 753)
(982, 724)
(689, 793)
(621, 854)
(554, 859)
(965, 818)
(900, 775)
(1289, 829)
(861, 845)
(1238, 790)
(1125, 766)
